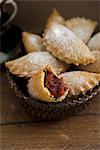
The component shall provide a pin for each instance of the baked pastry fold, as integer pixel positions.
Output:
(94, 42)
(66, 46)
(82, 27)
(55, 17)
(32, 42)
(80, 81)
(44, 85)
(26, 65)
(95, 67)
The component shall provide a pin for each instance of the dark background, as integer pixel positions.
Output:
(33, 14)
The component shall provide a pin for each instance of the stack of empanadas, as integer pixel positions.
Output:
(64, 43)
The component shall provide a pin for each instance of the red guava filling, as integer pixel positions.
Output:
(56, 86)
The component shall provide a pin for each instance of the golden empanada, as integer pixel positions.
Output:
(95, 67)
(82, 27)
(24, 66)
(44, 85)
(55, 17)
(32, 42)
(94, 43)
(66, 46)
(80, 81)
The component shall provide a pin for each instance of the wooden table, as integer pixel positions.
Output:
(19, 132)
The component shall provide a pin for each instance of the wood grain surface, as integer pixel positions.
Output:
(19, 132)
(81, 132)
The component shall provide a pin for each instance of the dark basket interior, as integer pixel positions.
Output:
(49, 111)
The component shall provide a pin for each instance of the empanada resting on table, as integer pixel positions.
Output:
(55, 17)
(95, 67)
(24, 66)
(80, 81)
(66, 46)
(32, 42)
(94, 43)
(82, 27)
(44, 85)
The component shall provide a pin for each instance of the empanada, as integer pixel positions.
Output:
(94, 43)
(80, 81)
(44, 85)
(82, 27)
(32, 42)
(95, 67)
(66, 46)
(55, 17)
(24, 66)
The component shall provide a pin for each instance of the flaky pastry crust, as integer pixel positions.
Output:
(66, 46)
(32, 42)
(26, 65)
(80, 81)
(37, 89)
(94, 42)
(82, 27)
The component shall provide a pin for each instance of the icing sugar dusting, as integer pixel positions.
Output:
(32, 38)
(80, 81)
(65, 45)
(94, 43)
(82, 27)
(34, 61)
